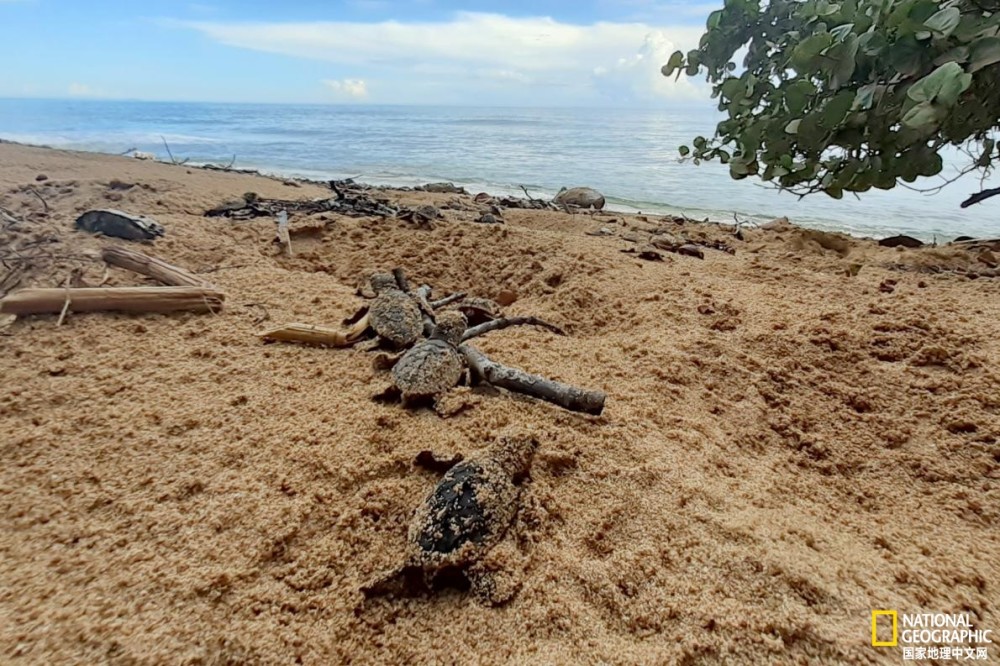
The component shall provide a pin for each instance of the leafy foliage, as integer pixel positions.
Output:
(847, 95)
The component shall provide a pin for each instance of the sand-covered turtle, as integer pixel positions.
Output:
(433, 366)
(394, 315)
(477, 310)
(459, 523)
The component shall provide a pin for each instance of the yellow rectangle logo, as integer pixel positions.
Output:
(884, 613)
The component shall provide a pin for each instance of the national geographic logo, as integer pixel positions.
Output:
(937, 636)
(892, 617)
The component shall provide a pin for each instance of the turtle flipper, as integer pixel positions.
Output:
(496, 578)
(401, 581)
(492, 587)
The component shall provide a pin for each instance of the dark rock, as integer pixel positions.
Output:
(691, 251)
(444, 188)
(117, 224)
(901, 241)
(584, 197)
(41, 177)
(489, 218)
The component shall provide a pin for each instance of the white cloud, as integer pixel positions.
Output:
(80, 90)
(491, 50)
(354, 88)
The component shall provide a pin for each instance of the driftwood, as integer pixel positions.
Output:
(120, 299)
(352, 204)
(516, 380)
(284, 239)
(447, 300)
(317, 335)
(150, 266)
(507, 322)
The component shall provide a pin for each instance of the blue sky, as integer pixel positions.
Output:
(596, 52)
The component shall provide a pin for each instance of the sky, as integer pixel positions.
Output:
(538, 53)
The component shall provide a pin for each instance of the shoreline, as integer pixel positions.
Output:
(615, 204)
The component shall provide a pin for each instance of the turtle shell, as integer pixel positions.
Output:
(395, 317)
(478, 310)
(428, 369)
(466, 514)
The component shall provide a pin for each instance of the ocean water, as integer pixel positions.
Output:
(628, 154)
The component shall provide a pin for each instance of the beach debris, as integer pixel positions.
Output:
(603, 231)
(513, 379)
(41, 178)
(501, 323)
(464, 517)
(584, 197)
(157, 269)
(441, 188)
(282, 238)
(901, 241)
(422, 216)
(686, 249)
(887, 286)
(317, 336)
(987, 257)
(141, 155)
(120, 299)
(483, 198)
(118, 224)
(350, 202)
(646, 252)
(777, 224)
(489, 218)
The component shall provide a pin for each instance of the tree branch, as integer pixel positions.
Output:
(980, 196)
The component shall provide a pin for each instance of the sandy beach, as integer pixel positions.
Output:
(795, 434)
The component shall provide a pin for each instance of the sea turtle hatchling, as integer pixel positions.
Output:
(477, 310)
(434, 366)
(394, 315)
(460, 521)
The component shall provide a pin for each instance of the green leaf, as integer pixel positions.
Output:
(984, 52)
(922, 116)
(865, 96)
(676, 60)
(944, 84)
(684, 151)
(793, 127)
(945, 21)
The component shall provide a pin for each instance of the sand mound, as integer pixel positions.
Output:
(788, 444)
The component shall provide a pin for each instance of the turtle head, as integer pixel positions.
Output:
(382, 282)
(514, 451)
(450, 326)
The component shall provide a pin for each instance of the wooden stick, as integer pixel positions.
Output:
(283, 236)
(513, 379)
(121, 299)
(447, 300)
(317, 335)
(151, 266)
(507, 322)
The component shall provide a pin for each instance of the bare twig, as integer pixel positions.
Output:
(165, 145)
(172, 159)
(317, 335)
(65, 309)
(507, 322)
(513, 379)
(40, 198)
(157, 269)
(447, 300)
(260, 318)
(130, 150)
